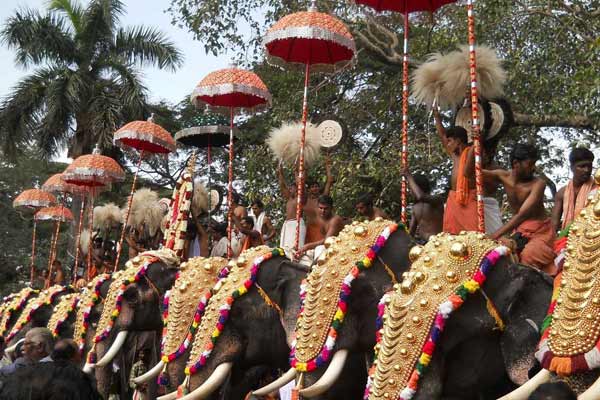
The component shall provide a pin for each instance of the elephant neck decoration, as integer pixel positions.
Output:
(46, 297)
(184, 306)
(322, 311)
(177, 219)
(242, 275)
(16, 304)
(571, 340)
(64, 309)
(443, 273)
(90, 297)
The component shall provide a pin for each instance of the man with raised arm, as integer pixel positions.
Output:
(288, 230)
(330, 224)
(571, 199)
(427, 217)
(530, 227)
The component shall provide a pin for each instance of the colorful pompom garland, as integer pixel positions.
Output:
(446, 308)
(26, 294)
(224, 310)
(37, 304)
(340, 313)
(118, 304)
(59, 323)
(96, 297)
(176, 226)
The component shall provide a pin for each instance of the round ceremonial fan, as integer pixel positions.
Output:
(330, 133)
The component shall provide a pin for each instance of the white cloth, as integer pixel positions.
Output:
(493, 216)
(237, 242)
(288, 234)
(220, 249)
(258, 221)
(285, 393)
(194, 250)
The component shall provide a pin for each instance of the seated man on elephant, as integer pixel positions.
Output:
(364, 208)
(288, 230)
(427, 217)
(250, 236)
(330, 224)
(571, 199)
(530, 226)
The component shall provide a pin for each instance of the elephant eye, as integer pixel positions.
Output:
(130, 295)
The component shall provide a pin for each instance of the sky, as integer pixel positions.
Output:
(162, 85)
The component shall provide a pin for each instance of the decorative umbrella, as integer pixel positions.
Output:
(405, 7)
(209, 130)
(93, 171)
(227, 90)
(57, 214)
(145, 137)
(32, 200)
(311, 40)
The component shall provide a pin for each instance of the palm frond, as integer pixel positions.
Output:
(99, 23)
(105, 113)
(132, 91)
(39, 38)
(72, 9)
(143, 45)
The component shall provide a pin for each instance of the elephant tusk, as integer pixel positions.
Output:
(332, 373)
(113, 350)
(12, 348)
(592, 393)
(214, 381)
(169, 396)
(525, 390)
(150, 374)
(88, 368)
(277, 383)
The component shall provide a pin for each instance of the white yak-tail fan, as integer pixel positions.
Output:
(284, 142)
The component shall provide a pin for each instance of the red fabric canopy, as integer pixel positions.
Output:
(93, 170)
(145, 136)
(404, 6)
(56, 213)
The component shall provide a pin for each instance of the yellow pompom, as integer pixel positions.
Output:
(471, 286)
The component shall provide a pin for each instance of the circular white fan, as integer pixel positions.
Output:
(330, 133)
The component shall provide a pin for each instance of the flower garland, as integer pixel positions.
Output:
(224, 308)
(91, 359)
(23, 296)
(176, 226)
(446, 308)
(72, 307)
(44, 299)
(340, 313)
(95, 299)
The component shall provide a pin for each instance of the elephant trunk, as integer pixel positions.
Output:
(214, 381)
(524, 391)
(276, 384)
(113, 350)
(329, 377)
(152, 373)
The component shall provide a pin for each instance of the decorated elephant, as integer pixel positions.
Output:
(444, 338)
(569, 348)
(241, 336)
(13, 306)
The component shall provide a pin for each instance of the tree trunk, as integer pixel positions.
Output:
(540, 121)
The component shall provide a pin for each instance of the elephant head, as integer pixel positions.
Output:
(439, 330)
(253, 324)
(335, 331)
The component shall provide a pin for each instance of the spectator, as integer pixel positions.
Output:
(553, 391)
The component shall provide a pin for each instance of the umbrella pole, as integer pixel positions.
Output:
(52, 252)
(91, 230)
(32, 266)
(475, 118)
(230, 185)
(77, 246)
(129, 201)
(404, 118)
(208, 161)
(300, 180)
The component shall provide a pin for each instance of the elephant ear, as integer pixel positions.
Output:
(529, 293)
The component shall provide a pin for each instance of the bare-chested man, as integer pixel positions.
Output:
(311, 209)
(529, 226)
(288, 230)
(364, 208)
(330, 224)
(571, 199)
(427, 215)
(252, 237)
(262, 222)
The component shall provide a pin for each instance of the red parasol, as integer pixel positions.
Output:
(93, 171)
(57, 214)
(145, 137)
(405, 7)
(227, 90)
(314, 41)
(31, 200)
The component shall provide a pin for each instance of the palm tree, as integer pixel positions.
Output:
(86, 83)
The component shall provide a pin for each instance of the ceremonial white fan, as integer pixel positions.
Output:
(330, 133)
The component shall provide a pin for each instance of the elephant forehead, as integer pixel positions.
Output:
(186, 299)
(63, 309)
(329, 282)
(575, 327)
(445, 265)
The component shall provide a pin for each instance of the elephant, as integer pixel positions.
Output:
(138, 291)
(13, 307)
(62, 320)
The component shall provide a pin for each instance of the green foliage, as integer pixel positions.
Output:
(86, 84)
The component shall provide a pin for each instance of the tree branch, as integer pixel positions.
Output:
(576, 121)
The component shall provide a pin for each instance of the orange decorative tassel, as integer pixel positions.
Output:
(561, 365)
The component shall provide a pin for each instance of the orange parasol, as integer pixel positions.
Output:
(145, 137)
(57, 214)
(31, 200)
(227, 90)
(313, 40)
